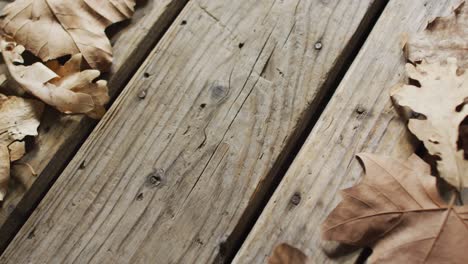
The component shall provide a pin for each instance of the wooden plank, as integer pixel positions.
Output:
(60, 135)
(170, 173)
(359, 117)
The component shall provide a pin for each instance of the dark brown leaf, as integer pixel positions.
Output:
(396, 210)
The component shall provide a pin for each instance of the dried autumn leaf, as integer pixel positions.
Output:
(64, 87)
(444, 37)
(441, 99)
(54, 28)
(17, 150)
(19, 118)
(396, 209)
(286, 254)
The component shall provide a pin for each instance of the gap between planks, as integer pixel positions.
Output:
(60, 136)
(359, 117)
(260, 202)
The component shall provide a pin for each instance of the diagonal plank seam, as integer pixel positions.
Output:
(341, 67)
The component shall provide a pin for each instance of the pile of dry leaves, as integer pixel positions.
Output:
(396, 209)
(52, 30)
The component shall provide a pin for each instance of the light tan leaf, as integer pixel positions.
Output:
(441, 100)
(444, 37)
(68, 89)
(396, 209)
(19, 118)
(287, 254)
(53, 28)
(17, 150)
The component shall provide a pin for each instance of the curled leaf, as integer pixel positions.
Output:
(54, 28)
(66, 88)
(441, 100)
(396, 209)
(19, 118)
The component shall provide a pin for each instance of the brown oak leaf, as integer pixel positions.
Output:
(19, 118)
(441, 101)
(54, 28)
(397, 210)
(287, 254)
(64, 87)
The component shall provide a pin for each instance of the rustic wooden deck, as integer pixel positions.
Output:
(233, 127)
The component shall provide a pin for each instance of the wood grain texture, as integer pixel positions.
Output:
(359, 118)
(60, 135)
(170, 172)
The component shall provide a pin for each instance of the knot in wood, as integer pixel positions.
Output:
(155, 178)
(218, 91)
(139, 197)
(360, 110)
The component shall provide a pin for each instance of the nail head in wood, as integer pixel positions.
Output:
(142, 94)
(296, 199)
(318, 45)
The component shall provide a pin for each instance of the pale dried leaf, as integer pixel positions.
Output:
(444, 37)
(68, 89)
(17, 150)
(19, 118)
(54, 28)
(441, 100)
(396, 209)
(287, 254)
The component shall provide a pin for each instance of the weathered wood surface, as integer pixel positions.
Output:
(359, 117)
(60, 135)
(171, 172)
